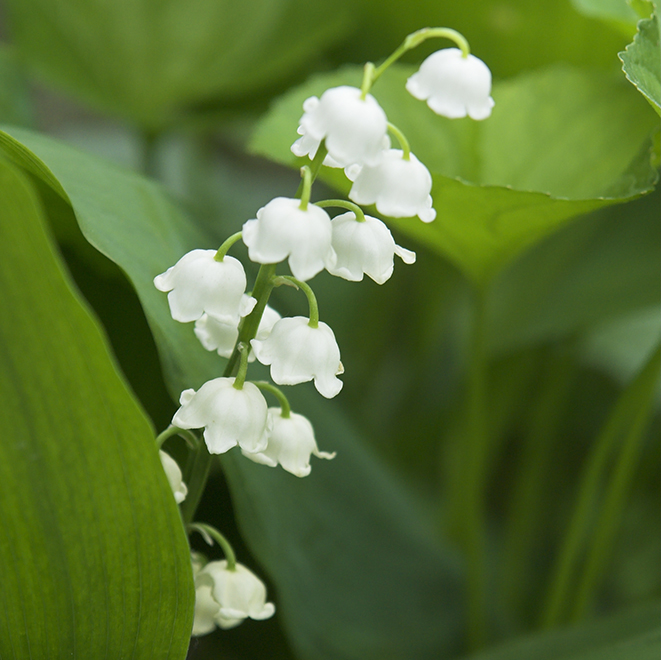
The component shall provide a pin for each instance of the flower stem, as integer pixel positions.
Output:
(403, 142)
(222, 250)
(279, 395)
(191, 439)
(306, 175)
(314, 167)
(211, 534)
(244, 350)
(371, 73)
(633, 403)
(343, 204)
(312, 299)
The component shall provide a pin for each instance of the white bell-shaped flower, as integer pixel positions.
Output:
(198, 283)
(221, 337)
(229, 416)
(365, 248)
(355, 129)
(453, 85)
(175, 478)
(291, 442)
(298, 353)
(282, 229)
(239, 593)
(399, 188)
(206, 608)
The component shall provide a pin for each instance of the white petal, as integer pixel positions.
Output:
(298, 353)
(453, 86)
(175, 478)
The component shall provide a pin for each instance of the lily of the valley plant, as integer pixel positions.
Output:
(345, 128)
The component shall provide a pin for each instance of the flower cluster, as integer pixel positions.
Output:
(344, 128)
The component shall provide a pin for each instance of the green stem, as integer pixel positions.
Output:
(306, 175)
(371, 73)
(222, 250)
(645, 387)
(210, 534)
(566, 566)
(244, 350)
(312, 299)
(525, 515)
(475, 459)
(403, 142)
(191, 439)
(343, 204)
(279, 395)
(314, 167)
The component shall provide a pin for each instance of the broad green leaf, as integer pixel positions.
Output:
(559, 143)
(93, 556)
(632, 635)
(641, 61)
(153, 61)
(358, 571)
(619, 13)
(586, 274)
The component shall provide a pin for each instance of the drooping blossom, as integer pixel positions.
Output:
(199, 284)
(228, 415)
(453, 85)
(283, 230)
(298, 353)
(365, 248)
(291, 442)
(400, 188)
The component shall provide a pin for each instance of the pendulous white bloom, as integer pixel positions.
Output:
(175, 478)
(238, 593)
(198, 283)
(298, 353)
(453, 85)
(365, 248)
(221, 337)
(291, 442)
(399, 188)
(354, 129)
(282, 229)
(229, 416)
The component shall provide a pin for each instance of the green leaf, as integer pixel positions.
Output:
(154, 62)
(559, 143)
(358, 570)
(641, 61)
(93, 555)
(619, 13)
(632, 635)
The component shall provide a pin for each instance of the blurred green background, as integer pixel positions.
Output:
(549, 212)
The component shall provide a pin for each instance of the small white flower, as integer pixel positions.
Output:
(228, 416)
(175, 478)
(298, 353)
(198, 283)
(238, 593)
(399, 188)
(355, 129)
(291, 442)
(282, 229)
(365, 247)
(453, 85)
(221, 337)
